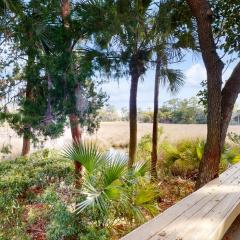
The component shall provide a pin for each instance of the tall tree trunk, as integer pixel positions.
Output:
(65, 12)
(73, 118)
(155, 122)
(26, 139)
(133, 119)
(229, 96)
(75, 128)
(209, 165)
(26, 146)
(220, 103)
(76, 137)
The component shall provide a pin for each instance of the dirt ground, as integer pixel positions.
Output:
(233, 232)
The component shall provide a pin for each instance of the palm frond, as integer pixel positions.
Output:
(114, 168)
(87, 154)
(173, 77)
(94, 199)
(140, 168)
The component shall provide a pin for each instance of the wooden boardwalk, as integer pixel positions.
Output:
(204, 215)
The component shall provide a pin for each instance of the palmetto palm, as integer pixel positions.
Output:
(174, 79)
(170, 40)
(110, 191)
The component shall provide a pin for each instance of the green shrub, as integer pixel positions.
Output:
(18, 177)
(6, 149)
(183, 158)
(93, 234)
(62, 223)
(110, 192)
(145, 146)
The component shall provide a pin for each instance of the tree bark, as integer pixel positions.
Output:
(27, 129)
(155, 122)
(229, 96)
(75, 128)
(65, 12)
(133, 119)
(209, 165)
(76, 138)
(73, 118)
(26, 146)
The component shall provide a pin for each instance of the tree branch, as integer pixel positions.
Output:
(229, 96)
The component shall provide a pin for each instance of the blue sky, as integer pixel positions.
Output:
(192, 67)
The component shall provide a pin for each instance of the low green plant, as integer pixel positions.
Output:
(19, 179)
(234, 137)
(231, 154)
(92, 233)
(145, 146)
(6, 149)
(183, 158)
(110, 192)
(62, 223)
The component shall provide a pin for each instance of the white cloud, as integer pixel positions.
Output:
(195, 74)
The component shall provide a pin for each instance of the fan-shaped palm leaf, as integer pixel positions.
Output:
(140, 168)
(94, 198)
(114, 168)
(87, 154)
(174, 78)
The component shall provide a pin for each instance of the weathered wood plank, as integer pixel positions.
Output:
(192, 219)
(204, 222)
(207, 212)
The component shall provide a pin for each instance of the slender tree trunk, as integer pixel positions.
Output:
(75, 128)
(76, 137)
(133, 119)
(209, 165)
(73, 118)
(155, 122)
(26, 139)
(229, 96)
(26, 146)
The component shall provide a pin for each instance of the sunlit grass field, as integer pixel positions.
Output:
(114, 134)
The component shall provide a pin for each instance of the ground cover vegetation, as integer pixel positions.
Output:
(54, 58)
(39, 198)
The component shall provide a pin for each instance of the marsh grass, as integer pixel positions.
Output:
(113, 134)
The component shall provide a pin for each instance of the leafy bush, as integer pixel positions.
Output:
(110, 192)
(183, 158)
(145, 146)
(6, 149)
(93, 234)
(234, 137)
(19, 178)
(62, 223)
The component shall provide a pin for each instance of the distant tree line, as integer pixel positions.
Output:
(178, 111)
(185, 111)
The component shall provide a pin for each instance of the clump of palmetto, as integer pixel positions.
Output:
(111, 193)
